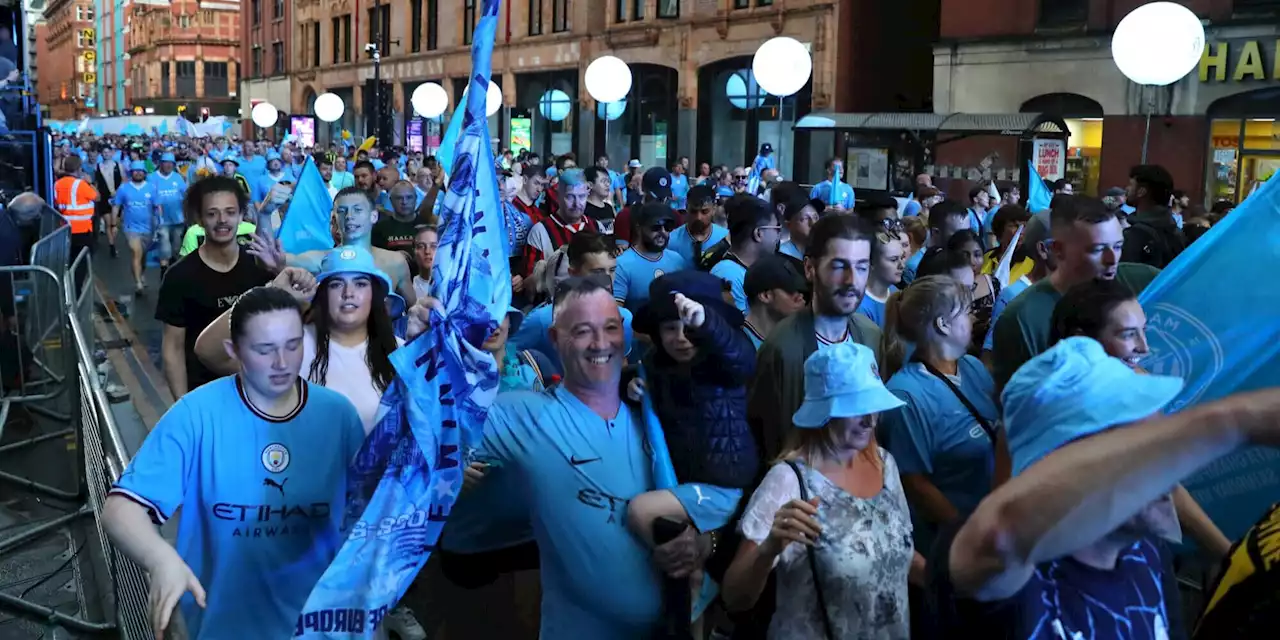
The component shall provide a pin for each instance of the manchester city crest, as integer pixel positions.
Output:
(275, 457)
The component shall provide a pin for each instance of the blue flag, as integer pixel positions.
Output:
(405, 479)
(1038, 195)
(163, 128)
(449, 142)
(1224, 340)
(306, 224)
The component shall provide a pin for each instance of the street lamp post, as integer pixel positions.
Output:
(782, 66)
(1156, 45)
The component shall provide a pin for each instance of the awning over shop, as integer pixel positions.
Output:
(959, 124)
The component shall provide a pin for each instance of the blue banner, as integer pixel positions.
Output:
(449, 143)
(1211, 325)
(306, 225)
(1038, 195)
(409, 472)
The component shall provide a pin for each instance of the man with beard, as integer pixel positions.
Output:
(836, 265)
(775, 292)
(753, 234)
(798, 216)
(555, 230)
(365, 177)
(202, 285)
(1087, 244)
(697, 234)
(356, 219)
(648, 258)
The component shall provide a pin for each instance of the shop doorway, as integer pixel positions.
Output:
(1083, 117)
(1244, 143)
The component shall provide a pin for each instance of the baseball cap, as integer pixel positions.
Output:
(766, 148)
(167, 157)
(1114, 192)
(656, 183)
(842, 381)
(772, 272)
(651, 213)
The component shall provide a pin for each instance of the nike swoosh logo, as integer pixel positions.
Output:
(573, 460)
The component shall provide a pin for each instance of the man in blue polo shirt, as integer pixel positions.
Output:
(581, 455)
(648, 258)
(257, 461)
(753, 234)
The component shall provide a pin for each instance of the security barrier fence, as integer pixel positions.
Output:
(51, 393)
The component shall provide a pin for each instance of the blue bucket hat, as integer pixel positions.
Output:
(842, 381)
(273, 155)
(137, 165)
(167, 157)
(348, 259)
(1072, 391)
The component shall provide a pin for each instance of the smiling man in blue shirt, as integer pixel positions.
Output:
(648, 258)
(581, 455)
(257, 461)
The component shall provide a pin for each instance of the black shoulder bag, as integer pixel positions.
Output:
(813, 560)
(982, 422)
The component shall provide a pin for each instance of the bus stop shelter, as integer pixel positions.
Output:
(885, 151)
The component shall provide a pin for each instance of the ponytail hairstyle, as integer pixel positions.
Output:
(910, 314)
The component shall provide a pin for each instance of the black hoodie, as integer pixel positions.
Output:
(1153, 238)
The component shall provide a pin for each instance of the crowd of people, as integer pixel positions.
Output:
(888, 419)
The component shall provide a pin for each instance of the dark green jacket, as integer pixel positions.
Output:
(778, 388)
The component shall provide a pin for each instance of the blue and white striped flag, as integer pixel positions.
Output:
(1213, 326)
(409, 472)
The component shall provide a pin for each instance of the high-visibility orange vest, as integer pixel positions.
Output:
(74, 198)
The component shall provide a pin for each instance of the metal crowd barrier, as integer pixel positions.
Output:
(48, 370)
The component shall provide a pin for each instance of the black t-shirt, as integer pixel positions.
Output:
(193, 295)
(395, 235)
(1065, 599)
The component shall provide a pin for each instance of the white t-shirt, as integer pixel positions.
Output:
(348, 373)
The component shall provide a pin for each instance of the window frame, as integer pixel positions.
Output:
(468, 21)
(1062, 13)
(559, 16)
(667, 16)
(415, 29)
(278, 66)
(535, 18)
(433, 25)
(255, 8)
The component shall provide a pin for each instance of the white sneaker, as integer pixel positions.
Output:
(403, 624)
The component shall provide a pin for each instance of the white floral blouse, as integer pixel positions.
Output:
(863, 557)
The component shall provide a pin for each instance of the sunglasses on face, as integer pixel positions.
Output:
(891, 224)
(664, 227)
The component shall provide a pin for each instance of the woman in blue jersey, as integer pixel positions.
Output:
(944, 436)
(257, 461)
(887, 264)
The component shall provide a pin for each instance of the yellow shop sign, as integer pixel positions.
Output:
(1246, 59)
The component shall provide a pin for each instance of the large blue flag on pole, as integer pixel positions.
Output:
(406, 477)
(1221, 333)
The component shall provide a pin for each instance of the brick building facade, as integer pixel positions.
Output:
(69, 32)
(1214, 130)
(684, 56)
(184, 53)
(266, 30)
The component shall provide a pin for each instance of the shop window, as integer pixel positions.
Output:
(1063, 13)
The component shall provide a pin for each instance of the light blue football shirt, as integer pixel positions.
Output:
(580, 471)
(170, 190)
(682, 243)
(935, 435)
(873, 307)
(137, 204)
(262, 501)
(532, 334)
(735, 274)
(637, 271)
(843, 196)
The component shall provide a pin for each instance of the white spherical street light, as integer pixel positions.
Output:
(492, 98)
(329, 107)
(782, 66)
(429, 100)
(608, 79)
(265, 114)
(1158, 43)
